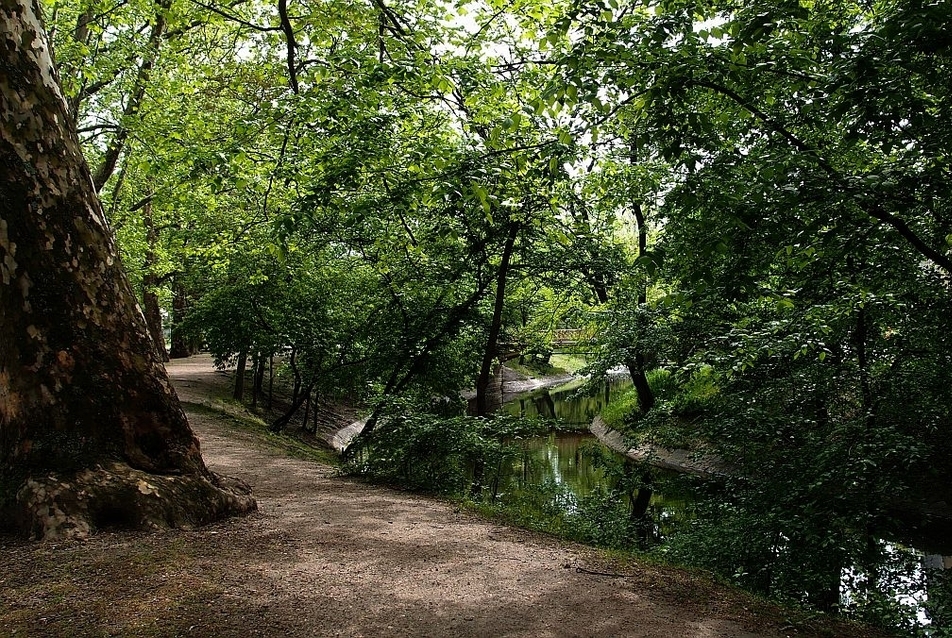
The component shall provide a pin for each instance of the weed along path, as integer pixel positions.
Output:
(327, 556)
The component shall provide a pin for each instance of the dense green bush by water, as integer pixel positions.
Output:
(452, 456)
(497, 464)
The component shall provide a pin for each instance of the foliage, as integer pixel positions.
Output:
(746, 203)
(939, 603)
(437, 453)
(600, 518)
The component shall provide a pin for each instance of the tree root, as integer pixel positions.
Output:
(120, 497)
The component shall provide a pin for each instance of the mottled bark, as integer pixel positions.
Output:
(87, 413)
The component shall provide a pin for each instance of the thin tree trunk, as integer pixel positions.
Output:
(316, 398)
(495, 326)
(258, 366)
(270, 382)
(639, 378)
(281, 422)
(636, 365)
(182, 344)
(307, 409)
(490, 350)
(297, 376)
(639, 509)
(150, 299)
(239, 392)
(108, 163)
(402, 374)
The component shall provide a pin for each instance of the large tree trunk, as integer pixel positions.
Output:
(91, 431)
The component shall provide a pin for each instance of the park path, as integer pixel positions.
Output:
(331, 556)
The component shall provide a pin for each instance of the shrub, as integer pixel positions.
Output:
(624, 403)
(438, 454)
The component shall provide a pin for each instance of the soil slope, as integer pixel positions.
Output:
(327, 556)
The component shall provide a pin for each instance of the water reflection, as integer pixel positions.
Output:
(558, 458)
(570, 403)
(561, 459)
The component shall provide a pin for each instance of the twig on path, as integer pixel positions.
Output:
(582, 570)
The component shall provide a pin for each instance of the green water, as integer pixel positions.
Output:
(558, 458)
(568, 403)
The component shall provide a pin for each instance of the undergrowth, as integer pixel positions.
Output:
(236, 418)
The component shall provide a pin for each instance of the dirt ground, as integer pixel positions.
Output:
(328, 556)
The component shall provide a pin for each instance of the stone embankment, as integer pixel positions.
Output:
(670, 459)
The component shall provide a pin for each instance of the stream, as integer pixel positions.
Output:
(559, 459)
(565, 403)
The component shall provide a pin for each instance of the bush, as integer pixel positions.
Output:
(602, 519)
(439, 454)
(624, 403)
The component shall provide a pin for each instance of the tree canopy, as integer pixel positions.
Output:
(752, 198)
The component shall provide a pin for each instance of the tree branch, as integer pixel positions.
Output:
(289, 36)
(234, 18)
(108, 163)
(876, 211)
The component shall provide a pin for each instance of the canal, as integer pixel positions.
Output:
(567, 466)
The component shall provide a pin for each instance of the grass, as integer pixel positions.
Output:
(568, 362)
(557, 365)
(668, 423)
(235, 418)
(622, 405)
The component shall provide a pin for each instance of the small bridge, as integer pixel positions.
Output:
(564, 340)
(568, 337)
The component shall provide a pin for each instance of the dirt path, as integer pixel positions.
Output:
(326, 556)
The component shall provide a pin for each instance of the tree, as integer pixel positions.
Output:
(91, 431)
(806, 257)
